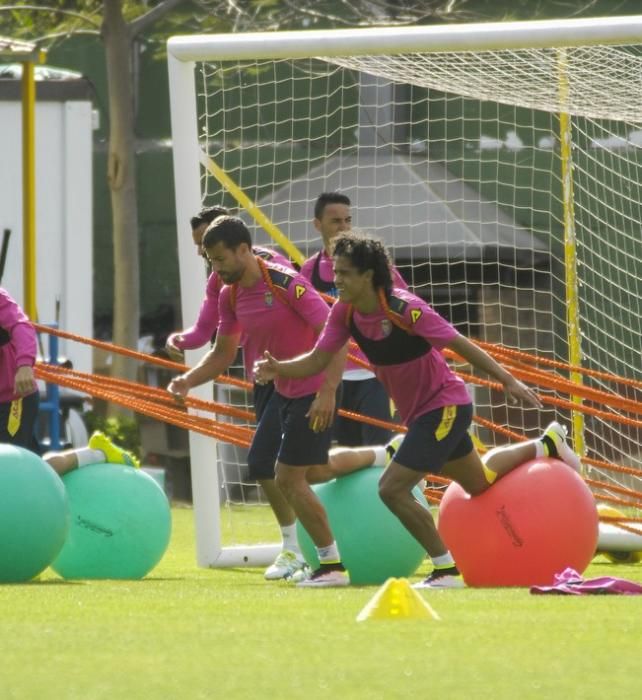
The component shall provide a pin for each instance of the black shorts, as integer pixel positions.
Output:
(300, 445)
(435, 438)
(261, 395)
(264, 449)
(369, 398)
(25, 436)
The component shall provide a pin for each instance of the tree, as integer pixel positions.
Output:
(119, 23)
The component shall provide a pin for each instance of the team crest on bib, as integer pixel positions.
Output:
(386, 327)
(299, 290)
(269, 298)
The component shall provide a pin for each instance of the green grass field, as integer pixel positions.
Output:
(186, 632)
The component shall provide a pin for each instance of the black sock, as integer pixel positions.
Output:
(446, 571)
(334, 566)
(549, 446)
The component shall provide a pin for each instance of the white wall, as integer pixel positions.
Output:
(64, 225)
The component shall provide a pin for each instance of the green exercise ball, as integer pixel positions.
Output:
(34, 514)
(372, 542)
(120, 523)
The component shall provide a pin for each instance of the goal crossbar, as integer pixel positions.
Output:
(613, 93)
(489, 36)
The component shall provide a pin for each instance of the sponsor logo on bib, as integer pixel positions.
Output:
(415, 315)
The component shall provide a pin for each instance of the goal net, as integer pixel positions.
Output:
(500, 163)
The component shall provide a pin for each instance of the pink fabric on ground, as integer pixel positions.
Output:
(569, 582)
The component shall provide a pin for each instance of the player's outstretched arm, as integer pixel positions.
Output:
(217, 360)
(480, 359)
(323, 407)
(305, 365)
(203, 329)
(173, 346)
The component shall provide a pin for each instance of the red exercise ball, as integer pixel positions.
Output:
(528, 526)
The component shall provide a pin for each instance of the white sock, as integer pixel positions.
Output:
(539, 449)
(329, 554)
(86, 456)
(381, 456)
(444, 561)
(290, 539)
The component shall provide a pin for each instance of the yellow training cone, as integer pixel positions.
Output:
(397, 600)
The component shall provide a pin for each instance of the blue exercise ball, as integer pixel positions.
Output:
(373, 543)
(34, 514)
(120, 523)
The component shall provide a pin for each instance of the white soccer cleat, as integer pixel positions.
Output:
(557, 434)
(286, 566)
(325, 578)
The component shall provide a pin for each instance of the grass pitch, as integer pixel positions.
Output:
(185, 632)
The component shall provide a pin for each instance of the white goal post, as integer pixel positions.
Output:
(583, 166)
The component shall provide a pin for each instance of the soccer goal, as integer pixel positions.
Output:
(500, 163)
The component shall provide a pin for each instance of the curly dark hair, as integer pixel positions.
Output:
(207, 215)
(366, 253)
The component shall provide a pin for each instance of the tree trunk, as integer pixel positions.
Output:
(121, 175)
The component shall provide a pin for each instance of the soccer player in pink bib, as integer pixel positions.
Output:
(277, 310)
(203, 329)
(402, 336)
(289, 563)
(361, 391)
(20, 399)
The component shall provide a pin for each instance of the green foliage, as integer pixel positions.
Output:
(54, 16)
(56, 19)
(122, 430)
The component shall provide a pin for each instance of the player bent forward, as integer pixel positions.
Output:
(277, 309)
(402, 336)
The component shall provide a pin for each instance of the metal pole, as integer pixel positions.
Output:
(29, 187)
(573, 330)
